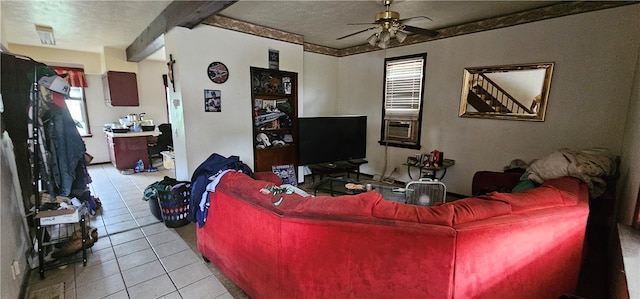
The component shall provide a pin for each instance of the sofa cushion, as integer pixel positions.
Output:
(472, 209)
(440, 214)
(533, 199)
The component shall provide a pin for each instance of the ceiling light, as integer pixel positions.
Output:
(385, 35)
(46, 35)
(373, 39)
(401, 35)
(383, 39)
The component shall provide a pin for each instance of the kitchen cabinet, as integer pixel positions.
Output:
(120, 89)
(125, 149)
(274, 97)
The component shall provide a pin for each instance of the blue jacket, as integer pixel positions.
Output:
(200, 180)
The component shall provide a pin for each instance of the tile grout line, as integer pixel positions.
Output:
(114, 252)
(146, 237)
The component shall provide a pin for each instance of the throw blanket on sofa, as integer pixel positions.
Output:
(588, 166)
(201, 178)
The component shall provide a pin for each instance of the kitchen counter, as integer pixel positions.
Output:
(134, 134)
(125, 149)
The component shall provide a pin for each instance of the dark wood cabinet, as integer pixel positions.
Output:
(120, 89)
(274, 98)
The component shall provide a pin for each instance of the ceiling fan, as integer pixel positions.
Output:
(388, 24)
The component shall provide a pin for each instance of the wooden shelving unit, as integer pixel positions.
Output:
(274, 100)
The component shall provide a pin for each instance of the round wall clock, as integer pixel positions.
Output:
(218, 72)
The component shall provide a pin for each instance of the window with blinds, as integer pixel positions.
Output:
(403, 97)
(77, 106)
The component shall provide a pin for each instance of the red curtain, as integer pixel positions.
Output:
(74, 76)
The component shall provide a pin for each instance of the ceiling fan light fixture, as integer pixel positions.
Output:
(383, 44)
(46, 35)
(373, 39)
(385, 36)
(401, 36)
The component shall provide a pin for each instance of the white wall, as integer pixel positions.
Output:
(198, 134)
(3, 36)
(629, 182)
(587, 104)
(15, 241)
(321, 85)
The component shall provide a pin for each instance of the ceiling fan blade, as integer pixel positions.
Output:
(418, 17)
(352, 34)
(421, 31)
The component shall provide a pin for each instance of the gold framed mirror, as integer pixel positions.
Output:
(515, 92)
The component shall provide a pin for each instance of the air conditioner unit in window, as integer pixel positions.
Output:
(399, 130)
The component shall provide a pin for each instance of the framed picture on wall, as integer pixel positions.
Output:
(212, 100)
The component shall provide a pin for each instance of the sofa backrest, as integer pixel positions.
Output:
(325, 207)
(553, 193)
(371, 205)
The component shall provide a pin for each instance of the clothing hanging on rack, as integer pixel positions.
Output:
(49, 146)
(29, 85)
(65, 145)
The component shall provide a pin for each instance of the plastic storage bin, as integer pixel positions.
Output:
(168, 159)
(154, 207)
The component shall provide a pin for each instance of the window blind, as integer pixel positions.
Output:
(403, 88)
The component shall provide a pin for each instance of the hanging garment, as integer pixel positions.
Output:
(65, 146)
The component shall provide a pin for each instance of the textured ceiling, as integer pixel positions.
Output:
(92, 25)
(79, 25)
(322, 22)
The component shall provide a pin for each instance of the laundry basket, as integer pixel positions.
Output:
(425, 192)
(174, 205)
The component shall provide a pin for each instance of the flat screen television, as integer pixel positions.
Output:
(330, 139)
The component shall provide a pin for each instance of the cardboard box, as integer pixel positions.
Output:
(52, 217)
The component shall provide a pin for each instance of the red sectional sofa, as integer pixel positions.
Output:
(519, 245)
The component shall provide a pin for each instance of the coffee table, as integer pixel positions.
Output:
(336, 186)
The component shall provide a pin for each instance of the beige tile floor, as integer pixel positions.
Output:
(136, 255)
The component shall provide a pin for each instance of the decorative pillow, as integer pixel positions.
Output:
(440, 215)
(472, 209)
(533, 199)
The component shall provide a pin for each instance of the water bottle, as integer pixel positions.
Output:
(139, 166)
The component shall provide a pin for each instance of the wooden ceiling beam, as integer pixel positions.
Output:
(179, 13)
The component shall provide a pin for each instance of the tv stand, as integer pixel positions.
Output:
(329, 168)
